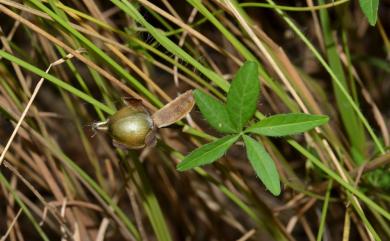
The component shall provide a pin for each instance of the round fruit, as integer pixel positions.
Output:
(131, 126)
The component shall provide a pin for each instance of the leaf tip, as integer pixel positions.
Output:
(250, 65)
(325, 119)
(195, 92)
(276, 190)
(180, 167)
(250, 62)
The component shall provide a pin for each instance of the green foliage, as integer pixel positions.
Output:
(231, 118)
(379, 178)
(370, 9)
(207, 153)
(287, 124)
(125, 53)
(243, 95)
(349, 118)
(214, 111)
(263, 164)
(56, 81)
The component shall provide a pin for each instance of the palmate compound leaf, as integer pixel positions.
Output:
(243, 94)
(263, 164)
(287, 124)
(208, 153)
(214, 112)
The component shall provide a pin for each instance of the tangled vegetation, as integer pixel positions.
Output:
(299, 93)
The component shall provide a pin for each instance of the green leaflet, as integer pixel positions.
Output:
(243, 95)
(287, 124)
(263, 164)
(208, 153)
(370, 9)
(214, 112)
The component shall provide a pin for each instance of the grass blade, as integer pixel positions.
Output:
(352, 124)
(150, 202)
(25, 209)
(95, 49)
(354, 190)
(130, 10)
(336, 80)
(56, 81)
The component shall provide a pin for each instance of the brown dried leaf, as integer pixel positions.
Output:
(174, 110)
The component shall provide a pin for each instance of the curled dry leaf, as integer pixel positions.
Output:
(174, 110)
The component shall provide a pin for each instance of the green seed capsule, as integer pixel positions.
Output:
(134, 127)
(131, 126)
